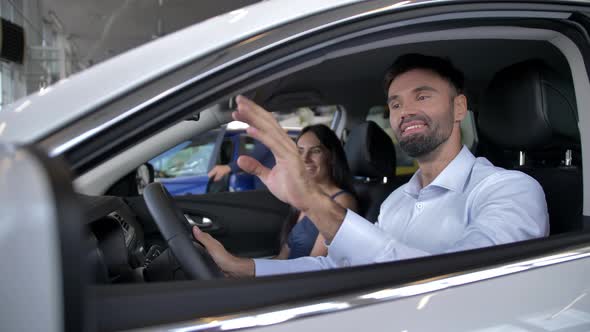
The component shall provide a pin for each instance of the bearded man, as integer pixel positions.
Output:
(454, 202)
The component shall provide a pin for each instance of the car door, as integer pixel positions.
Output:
(247, 222)
(41, 236)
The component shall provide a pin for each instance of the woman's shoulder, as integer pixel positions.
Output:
(340, 192)
(344, 198)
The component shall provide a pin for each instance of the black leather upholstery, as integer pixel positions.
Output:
(371, 157)
(529, 107)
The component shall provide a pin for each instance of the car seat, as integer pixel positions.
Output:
(528, 120)
(371, 158)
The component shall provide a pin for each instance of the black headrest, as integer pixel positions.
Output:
(370, 151)
(526, 105)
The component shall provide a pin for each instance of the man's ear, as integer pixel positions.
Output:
(460, 103)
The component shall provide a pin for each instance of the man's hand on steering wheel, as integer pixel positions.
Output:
(231, 265)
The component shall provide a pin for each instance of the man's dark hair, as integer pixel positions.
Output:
(441, 66)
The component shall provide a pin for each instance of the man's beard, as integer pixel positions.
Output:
(421, 144)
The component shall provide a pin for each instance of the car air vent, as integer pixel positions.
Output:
(127, 229)
(119, 219)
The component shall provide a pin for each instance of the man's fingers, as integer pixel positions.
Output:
(202, 237)
(253, 166)
(212, 173)
(263, 127)
(256, 116)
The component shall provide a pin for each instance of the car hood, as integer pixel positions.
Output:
(38, 115)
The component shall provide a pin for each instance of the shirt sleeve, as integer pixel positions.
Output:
(352, 224)
(354, 233)
(267, 267)
(360, 242)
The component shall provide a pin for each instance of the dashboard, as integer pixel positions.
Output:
(117, 248)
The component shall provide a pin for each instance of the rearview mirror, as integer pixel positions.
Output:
(144, 175)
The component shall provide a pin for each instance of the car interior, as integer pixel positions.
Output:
(522, 96)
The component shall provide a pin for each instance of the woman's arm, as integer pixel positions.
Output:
(345, 200)
(284, 253)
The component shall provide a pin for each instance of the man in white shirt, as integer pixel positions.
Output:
(454, 201)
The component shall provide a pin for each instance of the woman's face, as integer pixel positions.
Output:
(316, 157)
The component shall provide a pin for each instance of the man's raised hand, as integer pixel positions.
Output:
(287, 180)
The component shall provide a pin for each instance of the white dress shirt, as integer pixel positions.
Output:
(470, 204)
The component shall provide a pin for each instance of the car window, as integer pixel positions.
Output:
(190, 158)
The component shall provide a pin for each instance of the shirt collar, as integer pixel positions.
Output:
(453, 177)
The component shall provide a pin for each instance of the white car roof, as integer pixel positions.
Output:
(38, 114)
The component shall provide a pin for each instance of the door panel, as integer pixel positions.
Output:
(246, 223)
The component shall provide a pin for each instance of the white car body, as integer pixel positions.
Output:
(36, 115)
(547, 292)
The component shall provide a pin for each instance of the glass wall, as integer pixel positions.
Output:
(48, 53)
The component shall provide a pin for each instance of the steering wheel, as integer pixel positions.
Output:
(177, 232)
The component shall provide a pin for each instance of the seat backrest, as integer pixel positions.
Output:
(371, 158)
(529, 118)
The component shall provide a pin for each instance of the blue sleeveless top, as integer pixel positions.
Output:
(303, 236)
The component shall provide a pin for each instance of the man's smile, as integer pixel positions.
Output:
(412, 127)
(310, 168)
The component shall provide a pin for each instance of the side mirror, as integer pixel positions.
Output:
(144, 175)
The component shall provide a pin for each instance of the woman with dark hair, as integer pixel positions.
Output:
(325, 161)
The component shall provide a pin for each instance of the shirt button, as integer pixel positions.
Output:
(419, 205)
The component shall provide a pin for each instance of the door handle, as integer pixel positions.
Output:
(203, 223)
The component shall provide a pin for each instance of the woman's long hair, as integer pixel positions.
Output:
(340, 172)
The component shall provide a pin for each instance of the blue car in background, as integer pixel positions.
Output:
(183, 169)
